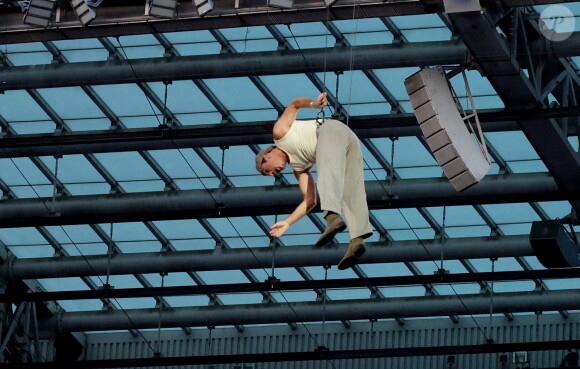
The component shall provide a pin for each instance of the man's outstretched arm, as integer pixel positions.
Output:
(308, 189)
(289, 116)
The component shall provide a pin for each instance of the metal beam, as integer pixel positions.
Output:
(264, 200)
(123, 18)
(231, 65)
(273, 286)
(261, 257)
(310, 311)
(495, 58)
(316, 355)
(250, 64)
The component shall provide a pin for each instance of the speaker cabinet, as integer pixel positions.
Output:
(553, 246)
(454, 148)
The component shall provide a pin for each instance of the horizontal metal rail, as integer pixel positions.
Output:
(118, 140)
(317, 355)
(310, 311)
(276, 285)
(265, 200)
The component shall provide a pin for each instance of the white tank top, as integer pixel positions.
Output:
(299, 143)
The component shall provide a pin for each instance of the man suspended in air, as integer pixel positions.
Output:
(336, 151)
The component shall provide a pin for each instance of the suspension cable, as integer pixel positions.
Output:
(109, 254)
(491, 292)
(160, 305)
(443, 238)
(351, 61)
(323, 335)
(55, 187)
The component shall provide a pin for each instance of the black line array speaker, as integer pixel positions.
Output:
(554, 247)
(454, 148)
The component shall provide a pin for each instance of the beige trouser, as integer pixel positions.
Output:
(340, 179)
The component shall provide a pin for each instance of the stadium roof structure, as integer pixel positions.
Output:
(131, 209)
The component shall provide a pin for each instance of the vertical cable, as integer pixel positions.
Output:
(373, 321)
(109, 254)
(222, 174)
(351, 62)
(323, 335)
(338, 73)
(160, 304)
(490, 337)
(55, 187)
(165, 117)
(392, 174)
(443, 237)
(274, 243)
(209, 339)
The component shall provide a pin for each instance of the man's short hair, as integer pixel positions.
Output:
(260, 157)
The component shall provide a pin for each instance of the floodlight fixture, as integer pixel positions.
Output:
(203, 6)
(83, 11)
(39, 13)
(164, 8)
(329, 3)
(282, 4)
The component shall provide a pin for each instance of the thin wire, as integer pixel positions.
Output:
(246, 40)
(131, 322)
(109, 254)
(135, 74)
(160, 302)
(321, 112)
(392, 174)
(323, 336)
(325, 48)
(351, 62)
(493, 260)
(443, 238)
(274, 243)
(55, 189)
(165, 117)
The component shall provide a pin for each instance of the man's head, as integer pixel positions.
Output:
(271, 161)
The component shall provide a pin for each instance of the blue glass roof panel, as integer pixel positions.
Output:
(425, 35)
(78, 56)
(29, 58)
(126, 166)
(511, 213)
(73, 233)
(134, 40)
(255, 45)
(21, 236)
(206, 48)
(23, 47)
(73, 169)
(94, 124)
(418, 21)
(385, 269)
(11, 107)
(23, 128)
(251, 98)
(512, 145)
(126, 100)
(190, 36)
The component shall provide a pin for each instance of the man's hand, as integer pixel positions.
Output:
(278, 229)
(320, 102)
